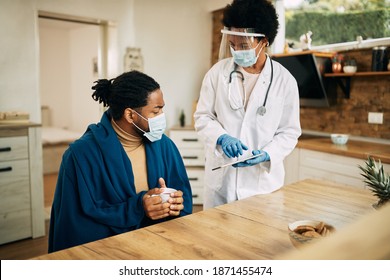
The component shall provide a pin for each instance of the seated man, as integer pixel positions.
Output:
(110, 178)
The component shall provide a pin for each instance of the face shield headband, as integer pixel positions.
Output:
(238, 39)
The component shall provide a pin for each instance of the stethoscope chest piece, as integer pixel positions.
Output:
(261, 110)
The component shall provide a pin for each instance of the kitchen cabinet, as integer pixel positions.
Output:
(291, 167)
(192, 152)
(21, 183)
(305, 163)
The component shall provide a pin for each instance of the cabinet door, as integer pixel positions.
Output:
(291, 167)
(15, 226)
(340, 169)
(15, 205)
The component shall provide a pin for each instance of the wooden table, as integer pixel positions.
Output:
(253, 228)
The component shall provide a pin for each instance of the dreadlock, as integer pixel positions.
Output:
(129, 90)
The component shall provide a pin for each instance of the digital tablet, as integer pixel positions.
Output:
(238, 161)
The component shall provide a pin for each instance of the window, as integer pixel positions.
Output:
(336, 21)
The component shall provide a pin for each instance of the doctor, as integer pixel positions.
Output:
(248, 105)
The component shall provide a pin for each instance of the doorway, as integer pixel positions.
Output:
(69, 64)
(73, 53)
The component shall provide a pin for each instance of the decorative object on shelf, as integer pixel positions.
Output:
(379, 59)
(337, 63)
(14, 117)
(350, 66)
(305, 40)
(376, 180)
(133, 60)
(182, 118)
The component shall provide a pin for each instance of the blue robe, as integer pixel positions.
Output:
(95, 195)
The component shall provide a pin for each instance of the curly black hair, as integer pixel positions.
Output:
(128, 90)
(258, 14)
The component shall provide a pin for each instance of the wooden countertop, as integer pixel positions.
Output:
(353, 148)
(10, 125)
(253, 228)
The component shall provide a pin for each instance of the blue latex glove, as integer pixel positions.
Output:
(232, 147)
(250, 162)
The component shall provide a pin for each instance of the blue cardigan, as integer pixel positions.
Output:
(95, 195)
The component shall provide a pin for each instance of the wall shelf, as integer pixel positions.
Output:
(382, 73)
(347, 77)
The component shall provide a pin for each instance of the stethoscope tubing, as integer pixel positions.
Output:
(261, 110)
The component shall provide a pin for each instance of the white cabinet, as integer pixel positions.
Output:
(304, 163)
(291, 167)
(191, 150)
(21, 183)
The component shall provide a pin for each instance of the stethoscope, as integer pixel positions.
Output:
(261, 110)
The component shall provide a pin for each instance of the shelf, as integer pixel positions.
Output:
(347, 76)
(382, 73)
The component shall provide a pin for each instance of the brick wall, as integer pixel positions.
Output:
(367, 94)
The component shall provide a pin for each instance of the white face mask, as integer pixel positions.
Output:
(157, 127)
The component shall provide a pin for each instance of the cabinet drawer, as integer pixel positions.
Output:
(197, 196)
(192, 157)
(14, 186)
(13, 148)
(15, 226)
(196, 177)
(185, 139)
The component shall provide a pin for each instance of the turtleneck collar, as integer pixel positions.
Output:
(129, 141)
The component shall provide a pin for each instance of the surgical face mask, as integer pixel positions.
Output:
(245, 58)
(157, 127)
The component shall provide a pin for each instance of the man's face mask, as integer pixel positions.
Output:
(157, 127)
(245, 58)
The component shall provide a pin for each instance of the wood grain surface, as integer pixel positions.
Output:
(353, 148)
(252, 228)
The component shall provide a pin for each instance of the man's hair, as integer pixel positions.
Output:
(258, 14)
(129, 90)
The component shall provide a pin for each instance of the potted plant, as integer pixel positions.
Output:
(182, 118)
(377, 181)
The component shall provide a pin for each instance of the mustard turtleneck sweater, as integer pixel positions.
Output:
(135, 150)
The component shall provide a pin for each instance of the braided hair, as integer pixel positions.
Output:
(128, 90)
(258, 14)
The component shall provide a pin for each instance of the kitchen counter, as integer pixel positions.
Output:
(253, 228)
(353, 148)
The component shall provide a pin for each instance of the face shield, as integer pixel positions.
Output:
(238, 39)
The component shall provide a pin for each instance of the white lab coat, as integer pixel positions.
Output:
(276, 132)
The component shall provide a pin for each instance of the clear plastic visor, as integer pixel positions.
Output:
(238, 39)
